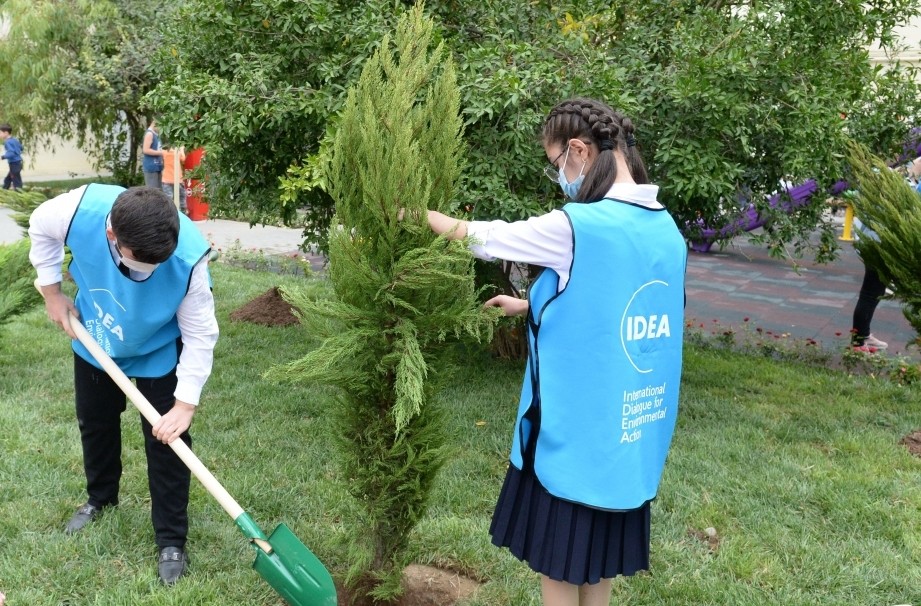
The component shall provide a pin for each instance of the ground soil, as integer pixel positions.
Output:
(427, 586)
(268, 309)
(913, 442)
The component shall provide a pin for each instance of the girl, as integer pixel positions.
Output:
(600, 393)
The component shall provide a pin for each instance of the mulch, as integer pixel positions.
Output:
(268, 309)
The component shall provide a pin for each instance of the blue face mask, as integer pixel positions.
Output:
(570, 190)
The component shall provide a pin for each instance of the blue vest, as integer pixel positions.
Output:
(134, 322)
(152, 164)
(600, 398)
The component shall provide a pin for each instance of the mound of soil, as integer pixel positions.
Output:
(913, 442)
(428, 586)
(268, 309)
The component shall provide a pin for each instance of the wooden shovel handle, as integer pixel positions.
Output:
(182, 450)
(185, 453)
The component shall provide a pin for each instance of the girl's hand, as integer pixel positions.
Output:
(512, 306)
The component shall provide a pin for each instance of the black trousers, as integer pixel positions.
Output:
(100, 403)
(14, 177)
(871, 291)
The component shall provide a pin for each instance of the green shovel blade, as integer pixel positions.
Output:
(291, 569)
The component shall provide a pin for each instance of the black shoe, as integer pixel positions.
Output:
(85, 514)
(173, 564)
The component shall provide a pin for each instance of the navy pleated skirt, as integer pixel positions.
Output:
(567, 541)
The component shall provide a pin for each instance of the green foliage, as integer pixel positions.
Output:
(79, 69)
(23, 202)
(892, 209)
(256, 83)
(736, 97)
(17, 294)
(729, 98)
(401, 292)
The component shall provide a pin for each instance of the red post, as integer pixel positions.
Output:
(198, 206)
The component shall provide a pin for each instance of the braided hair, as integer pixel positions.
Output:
(595, 122)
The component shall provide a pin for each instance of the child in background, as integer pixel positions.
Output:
(12, 154)
(170, 176)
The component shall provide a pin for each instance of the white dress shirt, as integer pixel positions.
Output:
(48, 227)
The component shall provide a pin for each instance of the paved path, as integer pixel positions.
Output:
(742, 281)
(9, 231)
(809, 302)
(222, 234)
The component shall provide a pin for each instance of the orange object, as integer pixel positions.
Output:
(169, 164)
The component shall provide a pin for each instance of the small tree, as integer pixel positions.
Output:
(889, 206)
(401, 293)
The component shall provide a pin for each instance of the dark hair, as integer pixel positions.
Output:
(6, 128)
(146, 221)
(595, 122)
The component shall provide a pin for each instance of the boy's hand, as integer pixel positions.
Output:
(59, 307)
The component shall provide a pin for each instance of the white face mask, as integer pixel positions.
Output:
(138, 266)
(144, 268)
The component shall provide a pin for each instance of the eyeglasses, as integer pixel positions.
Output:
(551, 171)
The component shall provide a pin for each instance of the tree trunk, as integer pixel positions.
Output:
(135, 139)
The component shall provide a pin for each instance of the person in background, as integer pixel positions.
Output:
(144, 294)
(152, 158)
(13, 155)
(170, 177)
(600, 394)
(872, 290)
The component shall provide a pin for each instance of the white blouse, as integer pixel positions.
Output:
(545, 240)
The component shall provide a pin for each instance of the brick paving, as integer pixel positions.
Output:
(810, 301)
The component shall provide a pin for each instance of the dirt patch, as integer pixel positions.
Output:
(268, 309)
(912, 442)
(428, 586)
(707, 536)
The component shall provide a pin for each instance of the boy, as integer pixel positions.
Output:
(13, 155)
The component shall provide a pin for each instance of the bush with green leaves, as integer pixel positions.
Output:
(403, 295)
(739, 96)
(892, 209)
(729, 97)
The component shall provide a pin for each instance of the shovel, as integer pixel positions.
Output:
(281, 559)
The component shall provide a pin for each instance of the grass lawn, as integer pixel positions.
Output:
(798, 470)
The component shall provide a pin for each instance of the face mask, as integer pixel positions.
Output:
(144, 268)
(570, 190)
(138, 266)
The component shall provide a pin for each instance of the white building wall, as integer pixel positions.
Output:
(62, 161)
(911, 39)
